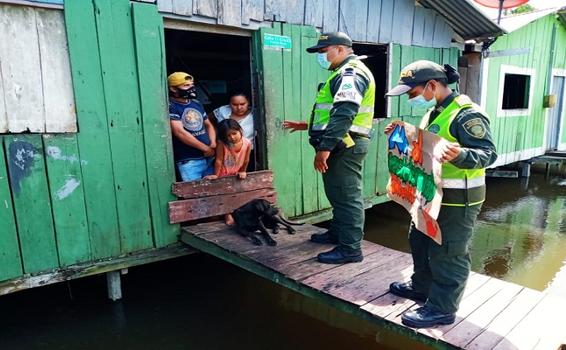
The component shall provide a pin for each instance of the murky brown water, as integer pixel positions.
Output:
(199, 302)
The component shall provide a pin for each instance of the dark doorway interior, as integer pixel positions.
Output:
(376, 61)
(220, 65)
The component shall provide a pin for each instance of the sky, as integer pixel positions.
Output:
(538, 4)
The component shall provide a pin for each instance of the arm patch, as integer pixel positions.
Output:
(347, 92)
(475, 128)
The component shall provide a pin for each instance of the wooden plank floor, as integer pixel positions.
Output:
(494, 314)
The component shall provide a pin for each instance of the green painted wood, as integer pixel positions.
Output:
(394, 78)
(121, 92)
(148, 29)
(406, 58)
(92, 139)
(30, 192)
(382, 173)
(370, 166)
(520, 133)
(10, 259)
(292, 82)
(311, 180)
(67, 198)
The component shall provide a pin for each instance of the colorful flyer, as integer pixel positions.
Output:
(415, 175)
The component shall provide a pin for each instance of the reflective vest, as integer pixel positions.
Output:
(362, 123)
(452, 176)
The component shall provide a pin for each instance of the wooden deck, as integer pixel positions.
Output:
(494, 314)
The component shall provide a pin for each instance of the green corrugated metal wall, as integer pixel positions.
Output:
(119, 165)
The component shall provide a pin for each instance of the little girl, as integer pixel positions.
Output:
(232, 154)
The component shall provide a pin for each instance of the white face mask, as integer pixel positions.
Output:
(322, 60)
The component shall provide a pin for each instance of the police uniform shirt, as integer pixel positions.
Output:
(343, 111)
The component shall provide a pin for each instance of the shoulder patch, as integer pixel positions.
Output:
(475, 128)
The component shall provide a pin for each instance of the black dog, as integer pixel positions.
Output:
(259, 215)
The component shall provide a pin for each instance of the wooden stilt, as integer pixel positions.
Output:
(525, 169)
(114, 285)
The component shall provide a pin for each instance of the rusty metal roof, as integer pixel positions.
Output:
(466, 20)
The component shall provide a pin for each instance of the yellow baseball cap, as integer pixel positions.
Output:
(179, 78)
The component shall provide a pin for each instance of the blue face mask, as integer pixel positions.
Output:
(322, 60)
(421, 102)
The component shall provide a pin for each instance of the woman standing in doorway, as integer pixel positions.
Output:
(240, 111)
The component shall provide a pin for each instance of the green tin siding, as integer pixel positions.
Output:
(522, 136)
(102, 192)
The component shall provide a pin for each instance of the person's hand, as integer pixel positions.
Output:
(213, 144)
(390, 127)
(294, 126)
(210, 177)
(242, 175)
(449, 152)
(320, 161)
(209, 151)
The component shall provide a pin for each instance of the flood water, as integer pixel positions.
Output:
(200, 302)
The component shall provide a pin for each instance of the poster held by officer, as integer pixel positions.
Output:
(415, 175)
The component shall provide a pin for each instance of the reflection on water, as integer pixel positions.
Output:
(520, 235)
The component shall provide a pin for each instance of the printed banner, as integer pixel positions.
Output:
(415, 175)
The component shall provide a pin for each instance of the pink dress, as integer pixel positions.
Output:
(233, 160)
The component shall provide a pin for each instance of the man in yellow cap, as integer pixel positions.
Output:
(194, 138)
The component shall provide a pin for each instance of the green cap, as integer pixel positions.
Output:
(417, 73)
(333, 38)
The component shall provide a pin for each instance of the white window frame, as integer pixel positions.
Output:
(518, 112)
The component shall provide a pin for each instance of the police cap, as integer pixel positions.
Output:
(333, 38)
(417, 73)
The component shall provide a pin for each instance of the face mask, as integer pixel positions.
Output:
(190, 93)
(421, 102)
(322, 60)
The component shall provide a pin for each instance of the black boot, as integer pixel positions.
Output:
(324, 238)
(340, 255)
(426, 317)
(406, 290)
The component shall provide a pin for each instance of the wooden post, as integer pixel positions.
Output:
(525, 168)
(114, 285)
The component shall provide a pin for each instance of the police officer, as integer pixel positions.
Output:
(441, 271)
(339, 130)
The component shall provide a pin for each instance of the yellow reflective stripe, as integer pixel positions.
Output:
(324, 106)
(328, 106)
(360, 130)
(461, 183)
(462, 205)
(319, 127)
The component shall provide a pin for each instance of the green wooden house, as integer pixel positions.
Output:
(523, 85)
(86, 166)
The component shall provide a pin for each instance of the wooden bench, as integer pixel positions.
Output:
(207, 198)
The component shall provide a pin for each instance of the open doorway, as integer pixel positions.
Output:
(220, 65)
(376, 61)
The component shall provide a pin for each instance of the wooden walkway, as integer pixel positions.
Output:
(494, 314)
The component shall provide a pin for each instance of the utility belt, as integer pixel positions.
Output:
(347, 141)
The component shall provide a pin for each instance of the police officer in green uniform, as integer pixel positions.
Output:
(339, 130)
(441, 271)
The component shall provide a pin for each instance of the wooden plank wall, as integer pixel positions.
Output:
(372, 21)
(101, 192)
(35, 76)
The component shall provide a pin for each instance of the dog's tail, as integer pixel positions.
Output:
(291, 222)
